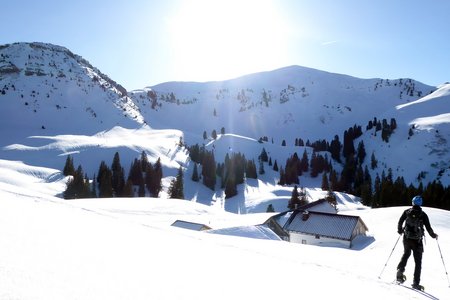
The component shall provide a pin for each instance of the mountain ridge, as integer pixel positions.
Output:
(59, 93)
(39, 79)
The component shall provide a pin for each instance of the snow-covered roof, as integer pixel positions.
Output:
(190, 225)
(321, 205)
(324, 224)
(253, 231)
(282, 218)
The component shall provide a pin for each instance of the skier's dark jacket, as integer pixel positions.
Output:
(423, 217)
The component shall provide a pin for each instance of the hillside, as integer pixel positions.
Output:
(55, 103)
(48, 90)
(298, 102)
(282, 104)
(126, 249)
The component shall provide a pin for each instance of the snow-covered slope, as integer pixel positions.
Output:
(126, 249)
(288, 103)
(297, 102)
(48, 90)
(54, 103)
(421, 141)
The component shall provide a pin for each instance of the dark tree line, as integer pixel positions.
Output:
(110, 181)
(296, 167)
(78, 186)
(389, 192)
(231, 172)
(386, 128)
(297, 198)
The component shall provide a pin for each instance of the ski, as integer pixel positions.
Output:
(419, 291)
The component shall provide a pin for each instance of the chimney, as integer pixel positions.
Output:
(305, 215)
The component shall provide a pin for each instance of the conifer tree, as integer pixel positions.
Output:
(104, 177)
(230, 186)
(144, 161)
(69, 169)
(376, 192)
(373, 161)
(304, 164)
(366, 194)
(335, 149)
(303, 198)
(270, 208)
(94, 188)
(149, 174)
(141, 189)
(77, 186)
(135, 174)
(239, 167)
(250, 169)
(325, 184)
(194, 153)
(348, 174)
(348, 148)
(294, 202)
(118, 177)
(209, 170)
(361, 152)
(176, 189)
(263, 156)
(153, 178)
(105, 187)
(275, 166)
(261, 168)
(331, 198)
(292, 171)
(315, 164)
(333, 180)
(195, 174)
(128, 189)
(282, 176)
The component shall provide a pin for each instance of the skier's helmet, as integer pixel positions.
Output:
(417, 200)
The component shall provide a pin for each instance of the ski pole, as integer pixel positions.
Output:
(379, 276)
(446, 273)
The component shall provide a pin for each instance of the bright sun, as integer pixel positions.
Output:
(221, 39)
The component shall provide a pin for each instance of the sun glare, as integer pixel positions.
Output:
(217, 40)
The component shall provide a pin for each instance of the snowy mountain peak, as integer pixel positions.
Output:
(286, 103)
(46, 89)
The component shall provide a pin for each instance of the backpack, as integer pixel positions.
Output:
(413, 225)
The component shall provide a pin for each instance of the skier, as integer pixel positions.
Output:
(414, 219)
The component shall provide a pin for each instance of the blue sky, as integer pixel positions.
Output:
(142, 43)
